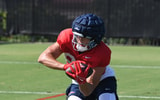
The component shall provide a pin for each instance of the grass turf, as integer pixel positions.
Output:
(19, 71)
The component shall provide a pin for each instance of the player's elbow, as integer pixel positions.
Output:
(41, 59)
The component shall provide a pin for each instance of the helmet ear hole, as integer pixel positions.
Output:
(92, 44)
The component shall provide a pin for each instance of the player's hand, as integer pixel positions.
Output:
(68, 65)
(77, 71)
(81, 75)
(70, 70)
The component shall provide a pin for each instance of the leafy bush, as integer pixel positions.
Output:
(3, 16)
(27, 38)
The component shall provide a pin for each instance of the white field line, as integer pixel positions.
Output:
(142, 97)
(54, 93)
(116, 66)
(132, 66)
(17, 62)
(26, 92)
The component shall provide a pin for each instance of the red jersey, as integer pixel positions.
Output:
(98, 56)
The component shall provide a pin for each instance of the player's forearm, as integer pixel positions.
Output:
(50, 62)
(86, 89)
(90, 85)
(53, 64)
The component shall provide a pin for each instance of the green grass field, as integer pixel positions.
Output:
(22, 78)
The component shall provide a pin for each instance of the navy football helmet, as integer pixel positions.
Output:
(88, 26)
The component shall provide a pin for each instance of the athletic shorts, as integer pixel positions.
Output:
(107, 85)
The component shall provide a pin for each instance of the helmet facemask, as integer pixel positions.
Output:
(80, 46)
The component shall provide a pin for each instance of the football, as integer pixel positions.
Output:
(83, 67)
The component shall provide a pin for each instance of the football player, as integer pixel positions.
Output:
(83, 42)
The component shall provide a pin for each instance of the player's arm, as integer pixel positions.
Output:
(49, 56)
(92, 81)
